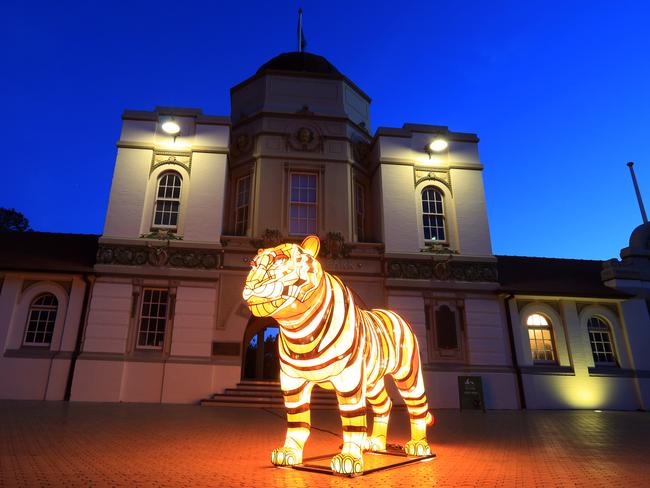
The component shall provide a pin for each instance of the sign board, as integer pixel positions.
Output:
(470, 393)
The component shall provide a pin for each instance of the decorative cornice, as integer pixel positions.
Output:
(182, 161)
(159, 256)
(448, 270)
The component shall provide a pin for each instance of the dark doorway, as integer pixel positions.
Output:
(261, 350)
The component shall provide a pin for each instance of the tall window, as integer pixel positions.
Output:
(153, 318)
(601, 342)
(242, 199)
(40, 321)
(433, 215)
(168, 201)
(540, 336)
(443, 323)
(303, 204)
(360, 210)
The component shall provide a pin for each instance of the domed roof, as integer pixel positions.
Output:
(300, 61)
(640, 238)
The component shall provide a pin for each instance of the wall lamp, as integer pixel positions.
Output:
(437, 145)
(170, 126)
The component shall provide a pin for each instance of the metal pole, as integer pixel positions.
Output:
(299, 30)
(638, 193)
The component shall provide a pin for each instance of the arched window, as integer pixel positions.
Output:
(40, 320)
(168, 201)
(600, 338)
(433, 215)
(540, 336)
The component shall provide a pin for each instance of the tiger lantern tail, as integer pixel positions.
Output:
(327, 340)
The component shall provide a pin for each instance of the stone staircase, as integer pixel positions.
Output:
(266, 394)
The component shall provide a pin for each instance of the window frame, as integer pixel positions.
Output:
(291, 202)
(360, 215)
(434, 353)
(177, 200)
(247, 206)
(550, 329)
(41, 308)
(441, 214)
(140, 317)
(607, 328)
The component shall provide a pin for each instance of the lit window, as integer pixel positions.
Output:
(153, 318)
(303, 204)
(360, 210)
(40, 321)
(168, 201)
(541, 338)
(433, 215)
(242, 199)
(601, 342)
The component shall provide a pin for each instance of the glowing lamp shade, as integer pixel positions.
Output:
(171, 127)
(438, 145)
(328, 341)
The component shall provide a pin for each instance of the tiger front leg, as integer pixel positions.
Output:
(296, 393)
(352, 406)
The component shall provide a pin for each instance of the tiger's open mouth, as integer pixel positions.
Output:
(264, 292)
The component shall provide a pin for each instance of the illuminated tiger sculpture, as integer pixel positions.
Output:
(326, 340)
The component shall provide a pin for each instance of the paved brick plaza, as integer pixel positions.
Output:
(59, 444)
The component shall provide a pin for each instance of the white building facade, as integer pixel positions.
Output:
(151, 310)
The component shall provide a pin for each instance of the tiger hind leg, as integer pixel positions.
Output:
(412, 390)
(381, 405)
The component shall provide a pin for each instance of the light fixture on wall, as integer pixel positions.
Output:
(437, 145)
(170, 126)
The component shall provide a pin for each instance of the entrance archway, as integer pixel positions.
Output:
(260, 361)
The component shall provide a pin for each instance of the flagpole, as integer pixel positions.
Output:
(299, 30)
(638, 192)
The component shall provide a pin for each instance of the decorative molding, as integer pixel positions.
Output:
(443, 177)
(438, 248)
(360, 150)
(66, 285)
(448, 270)
(160, 160)
(270, 238)
(162, 235)
(242, 144)
(304, 139)
(159, 256)
(333, 246)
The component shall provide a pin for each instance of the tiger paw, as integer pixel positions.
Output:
(417, 448)
(347, 464)
(285, 456)
(374, 444)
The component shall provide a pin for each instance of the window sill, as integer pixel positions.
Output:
(610, 371)
(550, 369)
(36, 352)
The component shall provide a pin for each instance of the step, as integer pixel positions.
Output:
(259, 391)
(275, 398)
(261, 404)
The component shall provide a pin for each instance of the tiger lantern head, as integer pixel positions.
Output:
(282, 278)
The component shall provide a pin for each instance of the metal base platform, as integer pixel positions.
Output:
(374, 461)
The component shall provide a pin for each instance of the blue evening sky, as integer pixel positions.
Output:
(558, 92)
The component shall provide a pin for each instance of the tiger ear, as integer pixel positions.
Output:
(311, 244)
